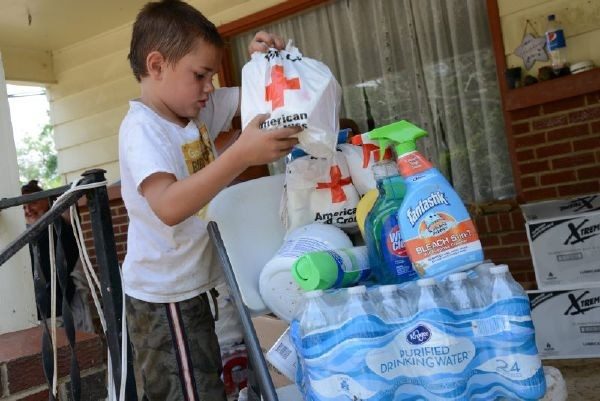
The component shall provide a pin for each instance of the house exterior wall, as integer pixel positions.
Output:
(93, 85)
(557, 151)
(552, 127)
(555, 147)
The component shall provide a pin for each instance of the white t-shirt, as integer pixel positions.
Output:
(163, 263)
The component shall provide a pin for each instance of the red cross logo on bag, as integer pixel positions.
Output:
(369, 148)
(274, 91)
(337, 192)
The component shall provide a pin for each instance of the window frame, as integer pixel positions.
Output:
(269, 15)
(290, 8)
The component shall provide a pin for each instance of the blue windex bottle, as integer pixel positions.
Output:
(388, 259)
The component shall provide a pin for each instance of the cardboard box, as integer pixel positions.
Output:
(564, 238)
(567, 322)
(269, 329)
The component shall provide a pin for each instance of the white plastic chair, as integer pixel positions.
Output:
(247, 231)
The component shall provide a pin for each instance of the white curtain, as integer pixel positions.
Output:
(427, 61)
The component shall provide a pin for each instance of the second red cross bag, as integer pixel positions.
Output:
(319, 191)
(295, 91)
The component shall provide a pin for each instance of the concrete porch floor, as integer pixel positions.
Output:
(582, 377)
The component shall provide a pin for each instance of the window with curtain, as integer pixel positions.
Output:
(427, 61)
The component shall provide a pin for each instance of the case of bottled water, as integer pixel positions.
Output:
(467, 338)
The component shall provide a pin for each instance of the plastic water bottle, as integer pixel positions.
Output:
(557, 46)
(462, 294)
(482, 272)
(517, 354)
(353, 322)
(393, 306)
(481, 281)
(357, 304)
(504, 285)
(430, 296)
(312, 316)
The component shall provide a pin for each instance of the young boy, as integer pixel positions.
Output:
(168, 174)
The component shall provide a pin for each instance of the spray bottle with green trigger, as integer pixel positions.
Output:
(438, 233)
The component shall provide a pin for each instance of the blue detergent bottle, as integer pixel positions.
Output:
(388, 259)
(438, 232)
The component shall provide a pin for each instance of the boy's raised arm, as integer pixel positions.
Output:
(174, 200)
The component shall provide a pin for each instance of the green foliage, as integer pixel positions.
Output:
(37, 159)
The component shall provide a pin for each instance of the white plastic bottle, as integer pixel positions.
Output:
(357, 303)
(515, 357)
(482, 272)
(321, 270)
(393, 306)
(279, 291)
(504, 285)
(430, 296)
(312, 316)
(461, 293)
(481, 280)
(556, 44)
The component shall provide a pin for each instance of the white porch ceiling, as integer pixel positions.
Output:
(55, 24)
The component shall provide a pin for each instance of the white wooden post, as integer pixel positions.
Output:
(17, 300)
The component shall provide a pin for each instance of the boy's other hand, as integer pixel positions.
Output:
(256, 146)
(263, 41)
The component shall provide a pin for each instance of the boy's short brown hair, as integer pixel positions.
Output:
(170, 27)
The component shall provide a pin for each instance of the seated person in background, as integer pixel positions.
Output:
(77, 293)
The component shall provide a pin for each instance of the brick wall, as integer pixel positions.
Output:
(501, 228)
(120, 222)
(21, 374)
(556, 152)
(558, 148)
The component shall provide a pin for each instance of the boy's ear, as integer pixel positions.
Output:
(155, 63)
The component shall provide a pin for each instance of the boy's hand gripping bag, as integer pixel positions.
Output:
(319, 191)
(295, 91)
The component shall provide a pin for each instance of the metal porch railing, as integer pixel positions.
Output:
(110, 278)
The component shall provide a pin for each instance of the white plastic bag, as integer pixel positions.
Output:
(556, 387)
(360, 161)
(295, 91)
(360, 166)
(319, 191)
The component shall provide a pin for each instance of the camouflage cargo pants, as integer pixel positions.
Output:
(176, 350)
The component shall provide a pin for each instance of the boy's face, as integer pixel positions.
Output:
(185, 85)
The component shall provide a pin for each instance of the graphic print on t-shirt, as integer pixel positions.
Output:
(198, 154)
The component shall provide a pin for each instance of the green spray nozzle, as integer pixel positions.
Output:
(402, 135)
